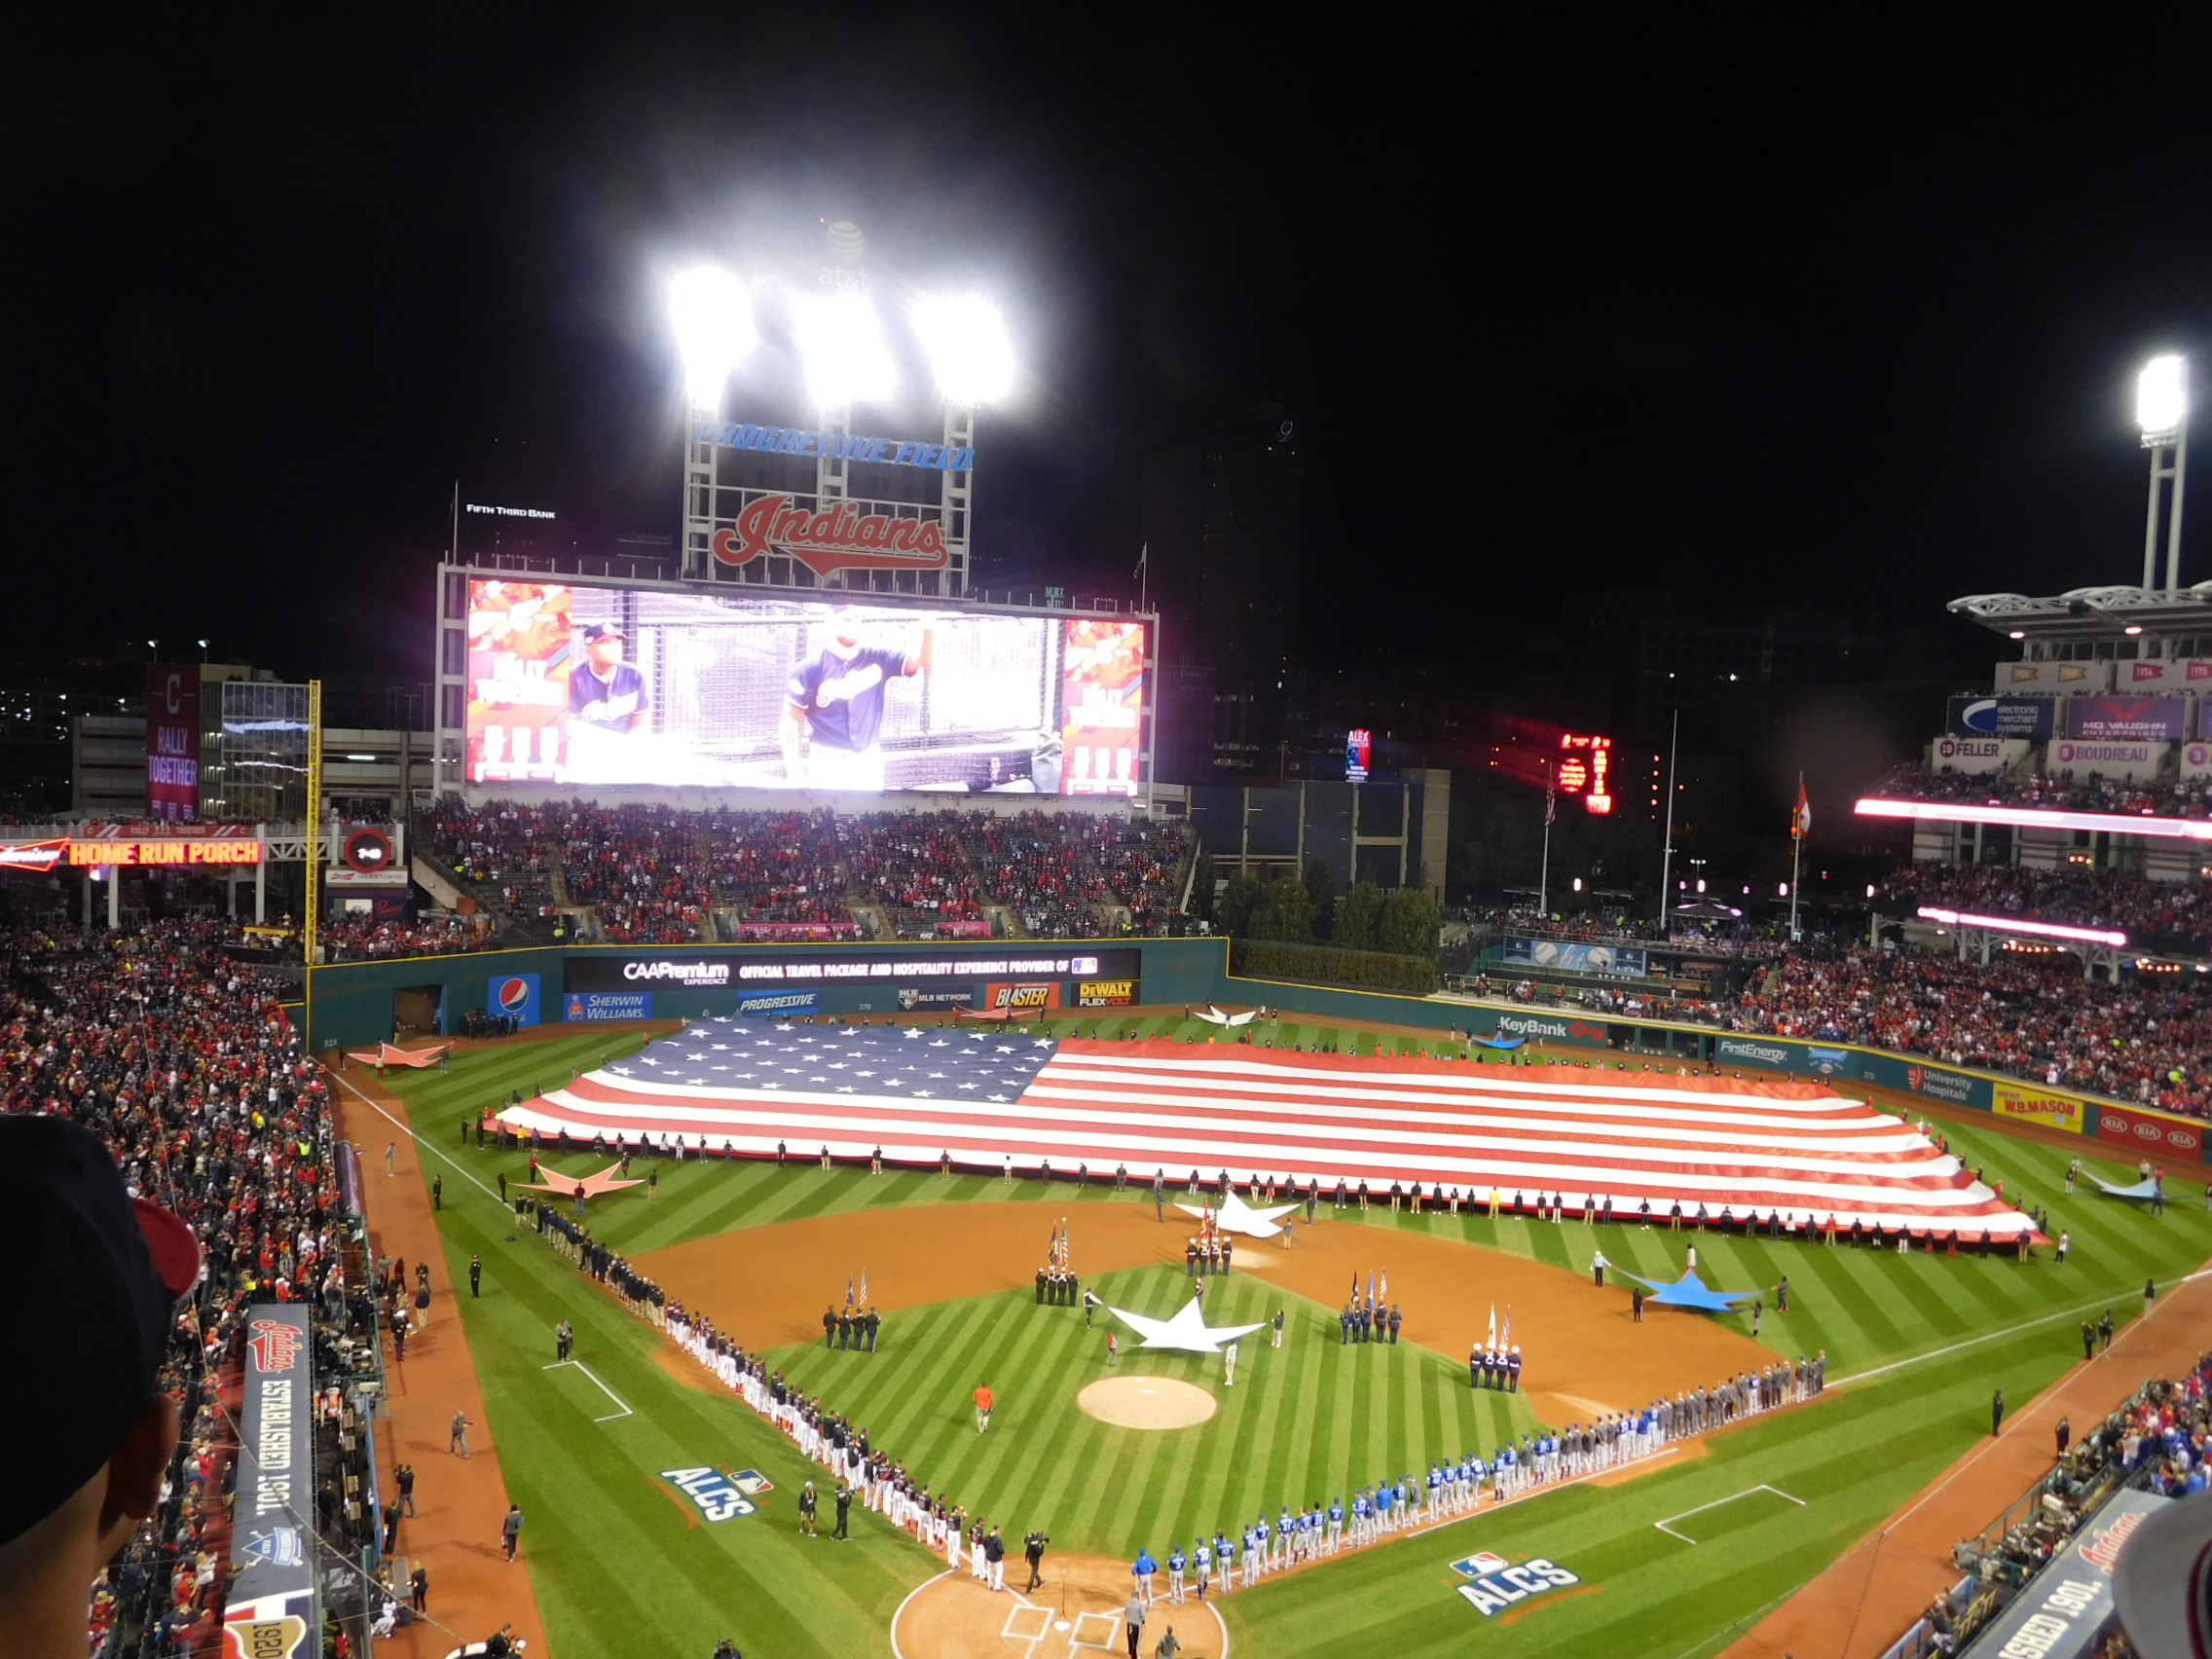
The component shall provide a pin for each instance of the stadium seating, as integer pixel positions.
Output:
(2191, 798)
(181, 1061)
(2159, 915)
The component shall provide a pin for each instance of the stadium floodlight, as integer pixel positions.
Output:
(714, 330)
(2021, 925)
(967, 348)
(2161, 399)
(841, 343)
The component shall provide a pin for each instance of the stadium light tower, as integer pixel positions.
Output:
(967, 349)
(2161, 411)
(713, 318)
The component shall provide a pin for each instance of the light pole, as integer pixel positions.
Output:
(2161, 411)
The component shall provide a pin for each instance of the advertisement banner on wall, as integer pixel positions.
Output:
(2034, 1106)
(1973, 753)
(776, 1004)
(2113, 759)
(2149, 1132)
(1106, 993)
(588, 1006)
(512, 996)
(273, 1546)
(586, 685)
(1554, 1029)
(2127, 720)
(1772, 1053)
(1612, 960)
(172, 741)
(1024, 996)
(760, 971)
(2001, 716)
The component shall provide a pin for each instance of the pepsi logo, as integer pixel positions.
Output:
(514, 995)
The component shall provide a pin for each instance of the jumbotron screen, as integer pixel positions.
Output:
(574, 684)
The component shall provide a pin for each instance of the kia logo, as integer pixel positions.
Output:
(2117, 1126)
(2148, 1131)
(2186, 1139)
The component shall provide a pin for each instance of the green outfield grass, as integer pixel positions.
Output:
(621, 1566)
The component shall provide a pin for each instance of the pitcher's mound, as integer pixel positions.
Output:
(1146, 1402)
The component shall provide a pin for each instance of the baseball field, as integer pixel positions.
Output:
(623, 1562)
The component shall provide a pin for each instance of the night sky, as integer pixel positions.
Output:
(1840, 307)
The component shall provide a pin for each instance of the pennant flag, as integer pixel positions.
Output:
(1801, 818)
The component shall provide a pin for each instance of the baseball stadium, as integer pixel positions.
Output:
(774, 1127)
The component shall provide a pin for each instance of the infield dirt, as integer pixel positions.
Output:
(1077, 1609)
(767, 1287)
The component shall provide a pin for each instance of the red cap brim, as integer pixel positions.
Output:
(174, 1247)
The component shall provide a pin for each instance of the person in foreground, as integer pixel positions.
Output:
(77, 1490)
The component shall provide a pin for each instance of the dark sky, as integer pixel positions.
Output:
(1834, 307)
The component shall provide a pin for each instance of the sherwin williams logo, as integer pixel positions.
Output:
(1494, 1584)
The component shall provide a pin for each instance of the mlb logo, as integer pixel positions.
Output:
(751, 1482)
(1481, 1565)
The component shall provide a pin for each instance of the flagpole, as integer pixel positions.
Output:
(1545, 880)
(1796, 856)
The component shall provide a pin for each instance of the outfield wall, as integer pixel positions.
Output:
(356, 1004)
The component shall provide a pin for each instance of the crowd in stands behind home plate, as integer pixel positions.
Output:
(2189, 798)
(2035, 1016)
(180, 1060)
(2164, 915)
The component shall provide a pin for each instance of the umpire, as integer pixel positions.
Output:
(1033, 1550)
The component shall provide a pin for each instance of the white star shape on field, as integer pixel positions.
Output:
(1187, 1332)
(1237, 1216)
(911, 1032)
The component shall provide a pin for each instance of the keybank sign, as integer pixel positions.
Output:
(1495, 1584)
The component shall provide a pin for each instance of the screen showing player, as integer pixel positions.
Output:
(575, 685)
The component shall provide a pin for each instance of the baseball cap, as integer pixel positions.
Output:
(2162, 1582)
(112, 1267)
(603, 631)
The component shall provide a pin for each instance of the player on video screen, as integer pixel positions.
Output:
(603, 689)
(834, 706)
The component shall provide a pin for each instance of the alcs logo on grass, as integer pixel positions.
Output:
(718, 1497)
(1497, 1584)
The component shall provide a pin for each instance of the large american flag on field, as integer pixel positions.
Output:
(984, 1097)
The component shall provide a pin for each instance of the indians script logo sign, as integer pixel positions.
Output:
(1494, 1584)
(841, 536)
(276, 1345)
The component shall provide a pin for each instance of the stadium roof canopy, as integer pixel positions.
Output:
(2090, 611)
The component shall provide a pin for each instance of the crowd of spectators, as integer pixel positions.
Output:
(913, 866)
(2034, 1014)
(1136, 860)
(642, 869)
(1027, 864)
(182, 1062)
(2188, 797)
(778, 869)
(353, 938)
(504, 849)
(2161, 915)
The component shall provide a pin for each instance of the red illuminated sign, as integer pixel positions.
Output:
(1584, 765)
(841, 536)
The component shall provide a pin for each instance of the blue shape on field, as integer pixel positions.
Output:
(1690, 1291)
(2142, 1191)
(1508, 1043)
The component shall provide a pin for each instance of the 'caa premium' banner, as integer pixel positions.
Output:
(270, 1609)
(2033, 1106)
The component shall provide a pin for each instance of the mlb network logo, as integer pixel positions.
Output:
(1495, 1584)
